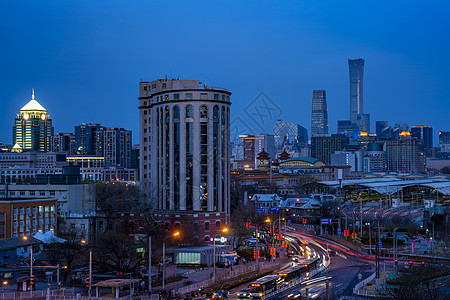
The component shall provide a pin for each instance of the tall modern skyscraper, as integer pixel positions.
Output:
(356, 70)
(185, 149)
(33, 127)
(322, 146)
(63, 142)
(425, 135)
(117, 146)
(86, 139)
(319, 115)
(380, 126)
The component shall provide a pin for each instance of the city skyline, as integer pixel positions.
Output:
(99, 77)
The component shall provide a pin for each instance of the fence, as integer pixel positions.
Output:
(362, 284)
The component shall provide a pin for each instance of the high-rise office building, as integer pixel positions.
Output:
(322, 146)
(63, 142)
(33, 127)
(379, 126)
(444, 139)
(425, 135)
(403, 155)
(319, 114)
(86, 139)
(289, 133)
(356, 71)
(117, 147)
(184, 139)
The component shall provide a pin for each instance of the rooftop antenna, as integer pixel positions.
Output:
(32, 94)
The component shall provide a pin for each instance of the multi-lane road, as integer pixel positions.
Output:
(343, 273)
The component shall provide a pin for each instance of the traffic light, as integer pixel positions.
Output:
(396, 262)
(304, 221)
(254, 253)
(273, 251)
(87, 282)
(248, 224)
(346, 232)
(284, 244)
(354, 235)
(32, 282)
(258, 254)
(279, 236)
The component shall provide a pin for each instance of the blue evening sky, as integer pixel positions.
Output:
(85, 58)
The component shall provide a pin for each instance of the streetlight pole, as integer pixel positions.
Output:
(25, 238)
(83, 242)
(224, 230)
(177, 233)
(149, 264)
(164, 263)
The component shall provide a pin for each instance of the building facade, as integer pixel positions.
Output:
(356, 71)
(19, 217)
(33, 127)
(403, 155)
(184, 139)
(425, 135)
(117, 147)
(322, 146)
(319, 114)
(63, 142)
(86, 139)
(289, 133)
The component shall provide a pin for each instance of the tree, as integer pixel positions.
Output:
(68, 253)
(117, 197)
(119, 253)
(305, 185)
(267, 186)
(417, 282)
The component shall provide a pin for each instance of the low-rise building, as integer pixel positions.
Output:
(25, 216)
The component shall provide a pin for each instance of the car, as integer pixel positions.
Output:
(245, 293)
(314, 293)
(220, 295)
(294, 294)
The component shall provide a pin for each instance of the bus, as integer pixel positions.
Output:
(312, 265)
(265, 285)
(293, 273)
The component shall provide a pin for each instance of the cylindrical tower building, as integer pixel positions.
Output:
(184, 143)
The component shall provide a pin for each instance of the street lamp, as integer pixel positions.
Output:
(224, 230)
(175, 234)
(83, 242)
(25, 238)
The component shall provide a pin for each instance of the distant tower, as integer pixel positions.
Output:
(319, 115)
(33, 127)
(356, 70)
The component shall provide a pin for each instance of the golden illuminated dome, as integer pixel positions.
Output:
(405, 133)
(364, 133)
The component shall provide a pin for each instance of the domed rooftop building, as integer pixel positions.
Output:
(301, 165)
(33, 127)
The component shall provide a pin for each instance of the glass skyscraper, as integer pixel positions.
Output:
(33, 127)
(319, 115)
(356, 70)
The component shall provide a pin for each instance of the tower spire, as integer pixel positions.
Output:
(32, 94)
